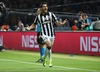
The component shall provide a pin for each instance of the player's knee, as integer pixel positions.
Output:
(42, 45)
(49, 47)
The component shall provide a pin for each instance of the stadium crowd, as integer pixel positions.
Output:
(88, 6)
(10, 20)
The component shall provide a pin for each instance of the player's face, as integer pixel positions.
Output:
(45, 8)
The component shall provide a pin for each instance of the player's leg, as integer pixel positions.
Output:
(42, 50)
(40, 59)
(49, 45)
(44, 57)
(50, 52)
(50, 57)
(46, 52)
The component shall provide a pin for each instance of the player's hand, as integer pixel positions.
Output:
(65, 21)
(27, 27)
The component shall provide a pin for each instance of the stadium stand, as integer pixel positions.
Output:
(25, 9)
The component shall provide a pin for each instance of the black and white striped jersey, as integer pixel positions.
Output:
(46, 23)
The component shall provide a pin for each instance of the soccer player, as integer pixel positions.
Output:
(42, 45)
(47, 20)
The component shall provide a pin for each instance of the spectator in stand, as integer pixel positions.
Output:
(20, 26)
(79, 22)
(8, 28)
(87, 23)
(74, 27)
(5, 28)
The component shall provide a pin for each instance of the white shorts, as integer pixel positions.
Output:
(47, 38)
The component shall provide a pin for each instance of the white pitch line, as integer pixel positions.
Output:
(27, 70)
(62, 67)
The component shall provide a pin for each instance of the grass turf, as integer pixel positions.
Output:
(25, 61)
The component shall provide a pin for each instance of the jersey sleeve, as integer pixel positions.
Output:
(36, 20)
(54, 17)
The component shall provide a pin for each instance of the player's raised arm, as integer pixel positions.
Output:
(55, 20)
(58, 23)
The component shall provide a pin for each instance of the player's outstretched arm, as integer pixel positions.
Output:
(58, 23)
(31, 27)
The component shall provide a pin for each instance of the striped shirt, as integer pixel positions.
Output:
(46, 23)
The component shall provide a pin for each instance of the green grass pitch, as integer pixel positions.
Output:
(25, 61)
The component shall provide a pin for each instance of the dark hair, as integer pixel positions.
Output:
(84, 14)
(43, 3)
